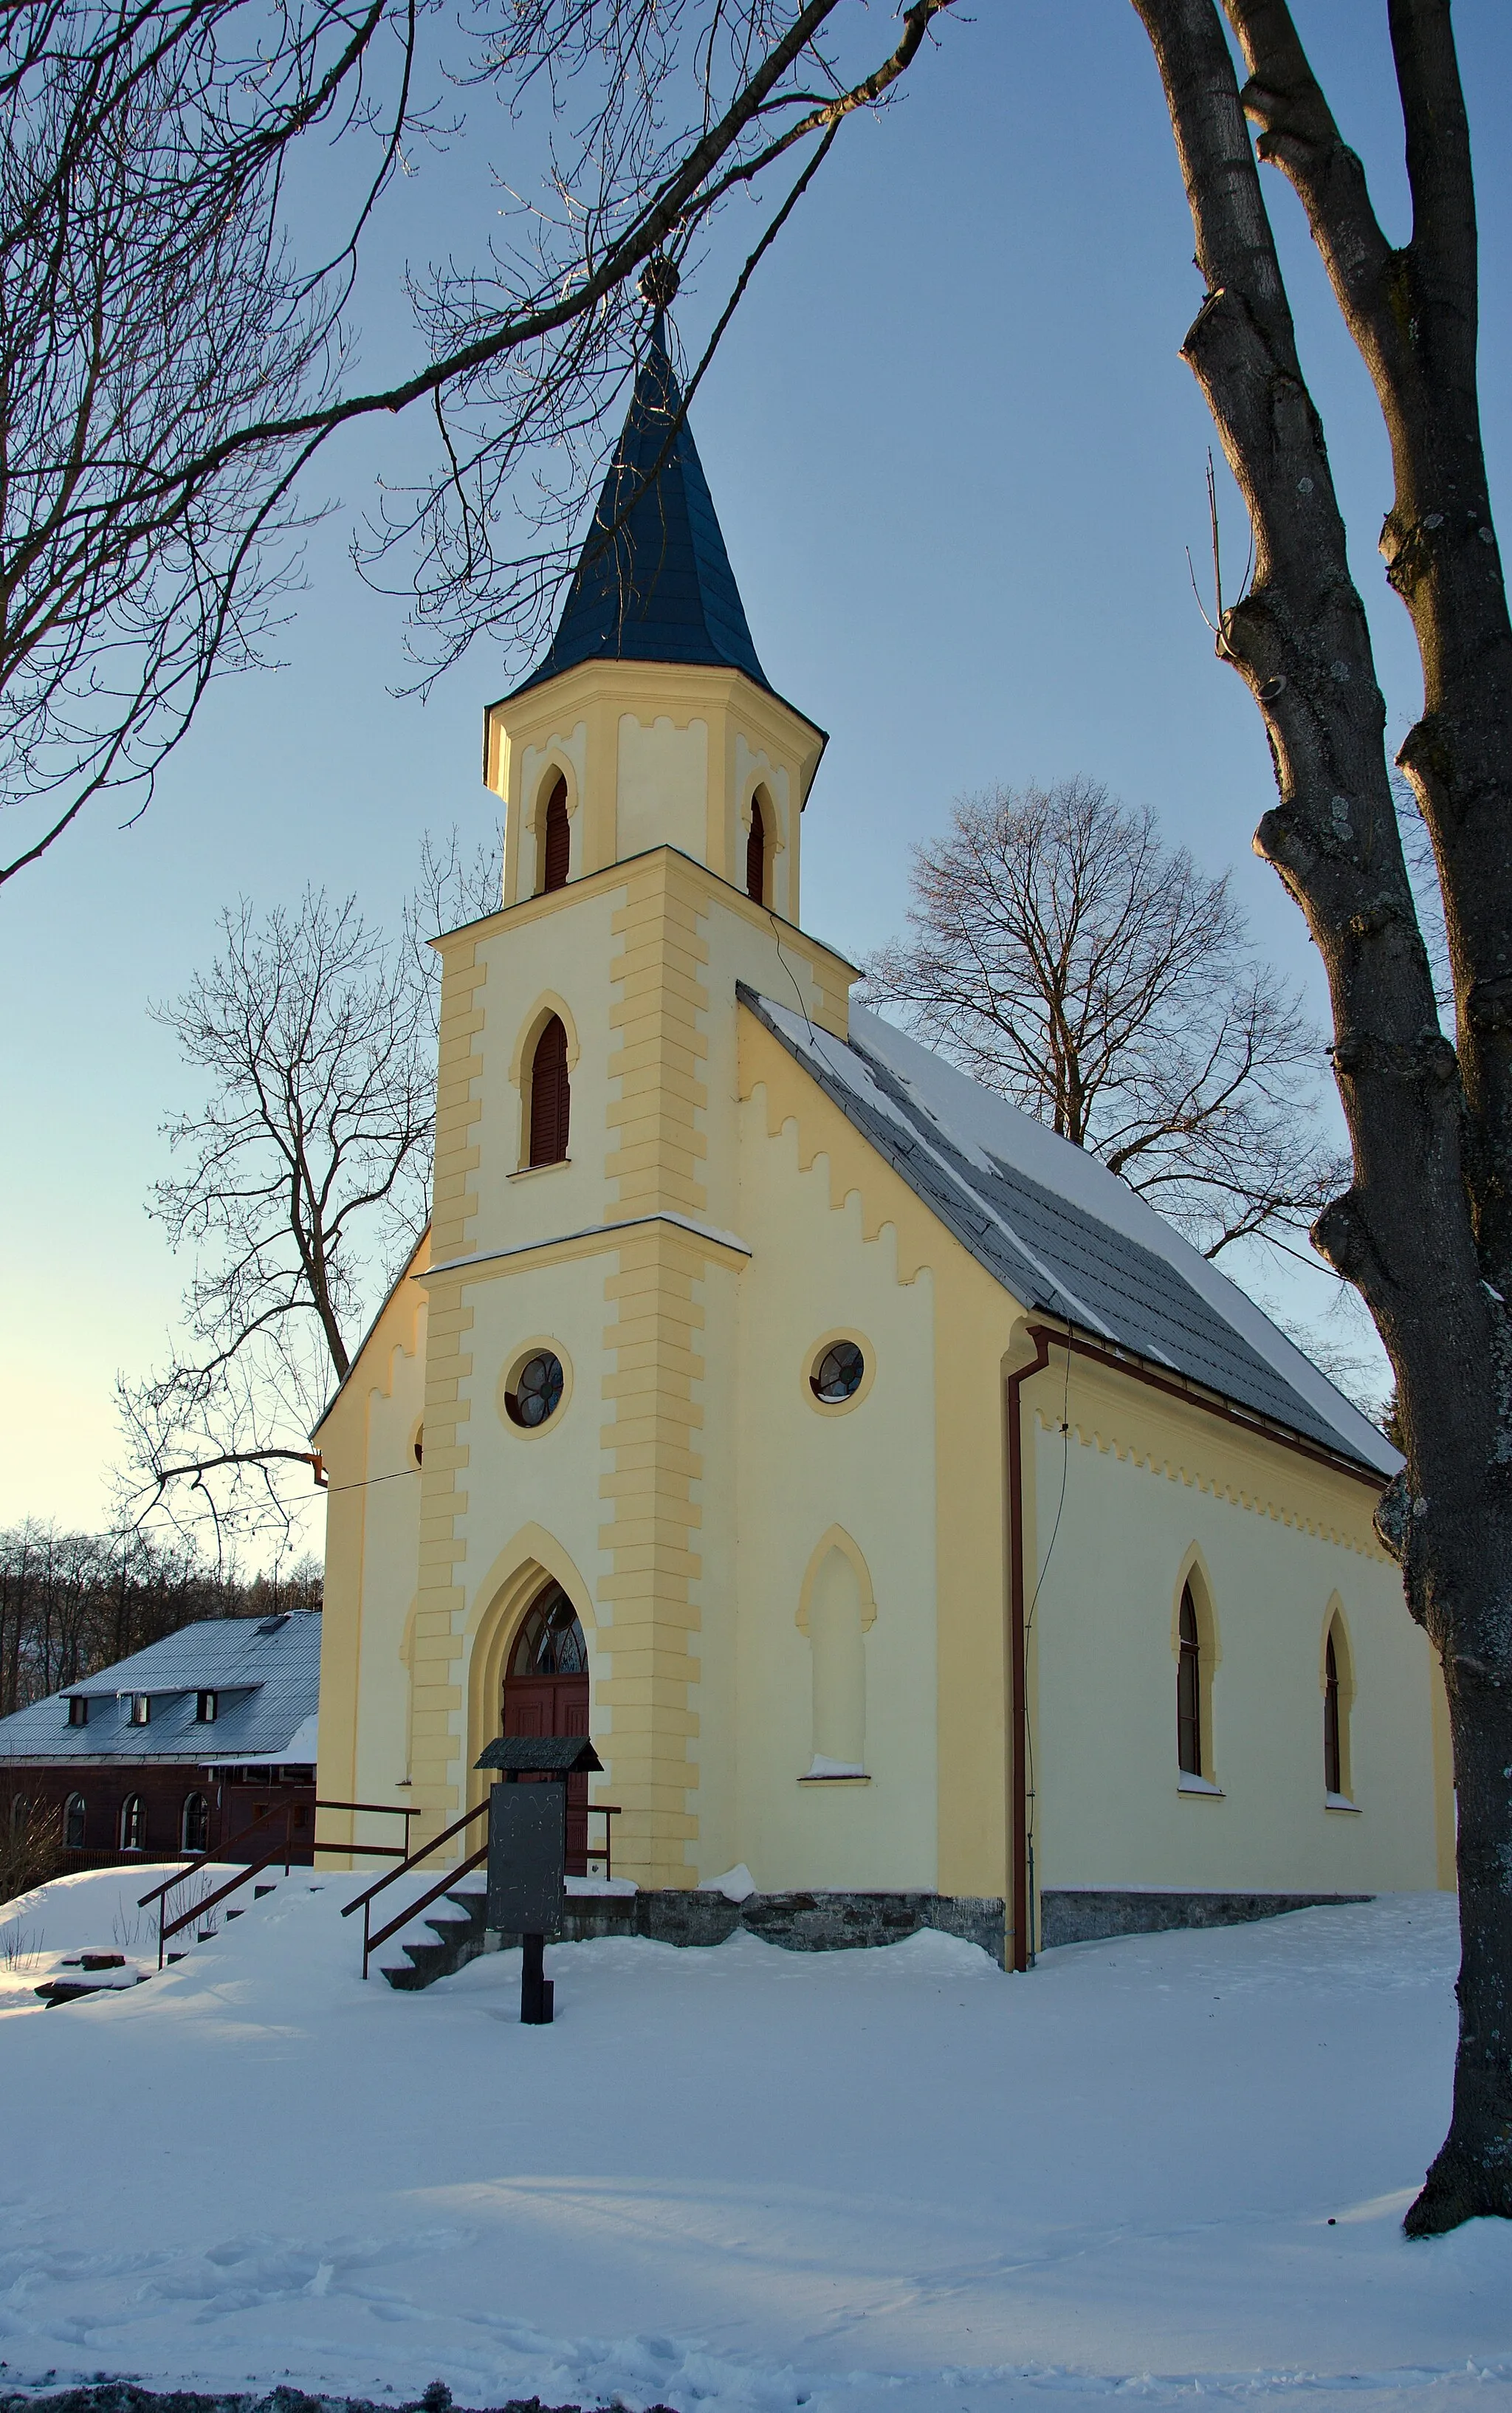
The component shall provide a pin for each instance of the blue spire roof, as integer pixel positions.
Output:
(659, 586)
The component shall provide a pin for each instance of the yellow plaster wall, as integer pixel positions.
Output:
(372, 1531)
(1147, 1486)
(527, 971)
(800, 1472)
(914, 1475)
(662, 797)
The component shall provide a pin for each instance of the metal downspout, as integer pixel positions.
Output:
(1018, 1654)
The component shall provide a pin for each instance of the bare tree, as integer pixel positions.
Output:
(150, 316)
(169, 367)
(1424, 1230)
(1065, 955)
(305, 1184)
(73, 1603)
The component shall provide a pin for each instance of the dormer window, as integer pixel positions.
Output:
(207, 1710)
(78, 1709)
(138, 1709)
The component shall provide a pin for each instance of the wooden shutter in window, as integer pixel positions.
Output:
(756, 854)
(557, 848)
(550, 1096)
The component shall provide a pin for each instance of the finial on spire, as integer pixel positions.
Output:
(659, 281)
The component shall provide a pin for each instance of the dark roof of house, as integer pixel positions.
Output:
(1065, 1235)
(653, 583)
(265, 1671)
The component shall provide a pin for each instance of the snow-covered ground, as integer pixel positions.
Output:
(747, 2180)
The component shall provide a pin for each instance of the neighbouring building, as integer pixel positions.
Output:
(178, 1749)
(902, 1505)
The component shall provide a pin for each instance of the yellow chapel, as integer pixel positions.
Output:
(923, 1531)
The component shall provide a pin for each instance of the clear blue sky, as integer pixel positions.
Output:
(957, 462)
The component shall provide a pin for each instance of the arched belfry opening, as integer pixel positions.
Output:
(758, 851)
(545, 1691)
(555, 840)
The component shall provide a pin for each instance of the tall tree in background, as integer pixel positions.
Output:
(170, 366)
(1424, 1230)
(306, 1182)
(1065, 955)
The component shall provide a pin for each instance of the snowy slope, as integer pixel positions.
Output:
(752, 2181)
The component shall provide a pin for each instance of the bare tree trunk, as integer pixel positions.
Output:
(1425, 1229)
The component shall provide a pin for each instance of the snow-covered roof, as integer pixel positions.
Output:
(265, 1672)
(1065, 1235)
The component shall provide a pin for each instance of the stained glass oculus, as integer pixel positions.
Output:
(538, 1390)
(839, 1374)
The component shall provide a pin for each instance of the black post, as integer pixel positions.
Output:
(537, 1992)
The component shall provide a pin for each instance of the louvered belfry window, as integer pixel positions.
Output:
(756, 853)
(550, 1096)
(557, 848)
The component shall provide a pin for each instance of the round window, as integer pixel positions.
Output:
(537, 1392)
(839, 1374)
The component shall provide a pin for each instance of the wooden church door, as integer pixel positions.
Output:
(547, 1693)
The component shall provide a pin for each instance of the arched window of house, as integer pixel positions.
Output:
(555, 840)
(74, 1822)
(550, 1096)
(756, 852)
(133, 1823)
(1188, 1689)
(196, 1824)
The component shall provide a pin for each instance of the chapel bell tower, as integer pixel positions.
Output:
(650, 721)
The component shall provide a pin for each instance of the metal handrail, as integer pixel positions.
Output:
(205, 1859)
(254, 1867)
(359, 1901)
(363, 1901)
(413, 1909)
(384, 1809)
(606, 1810)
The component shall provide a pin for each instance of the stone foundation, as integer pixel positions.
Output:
(1089, 1914)
(799, 1922)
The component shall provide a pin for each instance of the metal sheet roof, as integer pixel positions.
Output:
(1064, 1234)
(653, 583)
(266, 1672)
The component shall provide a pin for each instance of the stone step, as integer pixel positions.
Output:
(462, 1939)
(458, 1939)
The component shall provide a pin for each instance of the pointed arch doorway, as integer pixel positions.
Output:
(545, 1691)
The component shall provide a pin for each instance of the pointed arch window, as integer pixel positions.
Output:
(551, 1640)
(551, 1097)
(1189, 1689)
(756, 852)
(555, 840)
(1333, 1766)
(1338, 1693)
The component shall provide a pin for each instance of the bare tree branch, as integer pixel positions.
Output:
(1063, 955)
(305, 1183)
